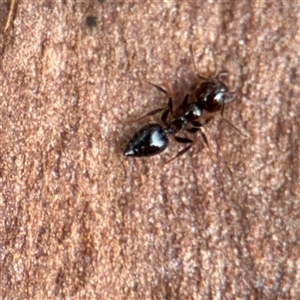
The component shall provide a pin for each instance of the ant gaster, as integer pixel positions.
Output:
(211, 97)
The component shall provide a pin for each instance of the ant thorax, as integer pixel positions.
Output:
(191, 113)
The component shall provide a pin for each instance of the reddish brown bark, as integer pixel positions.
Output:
(79, 220)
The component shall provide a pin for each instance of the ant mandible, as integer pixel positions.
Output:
(211, 97)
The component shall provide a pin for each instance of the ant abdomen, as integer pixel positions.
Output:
(150, 140)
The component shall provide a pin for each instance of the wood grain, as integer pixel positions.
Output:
(79, 221)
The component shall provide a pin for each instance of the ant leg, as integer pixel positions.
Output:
(232, 126)
(185, 102)
(183, 140)
(197, 127)
(156, 86)
(181, 152)
(166, 110)
(204, 138)
(193, 60)
(164, 116)
(193, 129)
(151, 113)
(155, 111)
(197, 124)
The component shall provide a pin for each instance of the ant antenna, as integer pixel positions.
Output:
(232, 126)
(193, 60)
(222, 73)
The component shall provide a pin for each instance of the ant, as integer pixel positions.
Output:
(211, 96)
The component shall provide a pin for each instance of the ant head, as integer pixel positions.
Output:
(213, 94)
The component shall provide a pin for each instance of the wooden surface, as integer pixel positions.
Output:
(80, 221)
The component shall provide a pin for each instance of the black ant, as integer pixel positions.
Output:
(211, 97)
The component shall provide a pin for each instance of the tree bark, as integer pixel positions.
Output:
(80, 221)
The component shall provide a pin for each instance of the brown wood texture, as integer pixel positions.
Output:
(80, 221)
